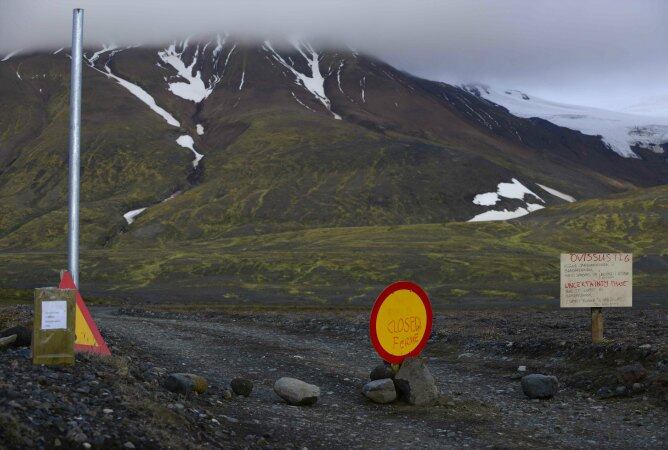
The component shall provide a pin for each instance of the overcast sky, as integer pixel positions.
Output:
(608, 53)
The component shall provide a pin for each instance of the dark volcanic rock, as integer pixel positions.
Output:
(242, 386)
(185, 383)
(632, 373)
(416, 383)
(540, 386)
(380, 372)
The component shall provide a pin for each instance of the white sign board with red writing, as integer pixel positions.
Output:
(596, 280)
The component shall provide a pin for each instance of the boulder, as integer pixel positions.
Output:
(380, 372)
(540, 386)
(242, 386)
(296, 392)
(185, 383)
(415, 382)
(633, 373)
(380, 391)
(23, 336)
(7, 341)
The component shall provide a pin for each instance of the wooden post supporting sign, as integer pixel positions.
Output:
(597, 325)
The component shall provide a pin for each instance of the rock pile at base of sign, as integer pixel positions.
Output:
(539, 386)
(296, 392)
(413, 382)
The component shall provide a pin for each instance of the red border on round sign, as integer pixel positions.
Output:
(397, 286)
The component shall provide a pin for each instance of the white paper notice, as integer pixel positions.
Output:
(54, 315)
(596, 280)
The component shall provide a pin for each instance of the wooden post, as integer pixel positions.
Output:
(596, 325)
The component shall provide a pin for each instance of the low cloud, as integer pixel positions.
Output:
(604, 52)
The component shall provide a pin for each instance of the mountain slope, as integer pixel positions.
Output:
(201, 140)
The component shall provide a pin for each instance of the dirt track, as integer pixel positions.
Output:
(481, 406)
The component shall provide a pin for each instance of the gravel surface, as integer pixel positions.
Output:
(474, 356)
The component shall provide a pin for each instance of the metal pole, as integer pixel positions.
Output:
(75, 142)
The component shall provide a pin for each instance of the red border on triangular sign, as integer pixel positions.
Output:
(66, 282)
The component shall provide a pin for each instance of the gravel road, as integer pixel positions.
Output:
(475, 366)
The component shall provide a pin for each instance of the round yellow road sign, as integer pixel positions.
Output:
(400, 321)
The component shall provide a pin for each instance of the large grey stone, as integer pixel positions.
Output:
(380, 391)
(296, 392)
(539, 386)
(415, 382)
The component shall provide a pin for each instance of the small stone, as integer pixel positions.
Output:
(632, 373)
(605, 392)
(179, 406)
(296, 392)
(380, 391)
(381, 372)
(646, 347)
(129, 444)
(620, 390)
(107, 410)
(86, 445)
(57, 443)
(538, 386)
(227, 394)
(522, 369)
(637, 387)
(242, 386)
(185, 383)
(415, 382)
(230, 419)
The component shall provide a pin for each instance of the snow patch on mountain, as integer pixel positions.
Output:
(619, 131)
(513, 190)
(556, 193)
(186, 141)
(193, 88)
(130, 215)
(141, 95)
(200, 129)
(338, 76)
(300, 102)
(313, 82)
(505, 214)
(98, 53)
(10, 54)
(486, 199)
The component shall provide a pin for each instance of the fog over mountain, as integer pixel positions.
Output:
(601, 52)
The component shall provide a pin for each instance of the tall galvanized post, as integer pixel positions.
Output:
(75, 142)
